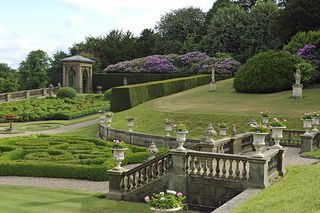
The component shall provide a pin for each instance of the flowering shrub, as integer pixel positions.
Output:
(305, 50)
(169, 121)
(168, 200)
(259, 128)
(222, 126)
(307, 116)
(181, 128)
(277, 123)
(265, 114)
(119, 144)
(316, 114)
(192, 62)
(157, 64)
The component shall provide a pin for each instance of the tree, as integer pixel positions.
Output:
(216, 5)
(33, 71)
(261, 34)
(174, 27)
(55, 73)
(8, 79)
(226, 31)
(299, 15)
(146, 43)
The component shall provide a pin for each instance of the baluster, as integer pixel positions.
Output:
(205, 168)
(210, 167)
(237, 170)
(134, 180)
(156, 169)
(224, 170)
(195, 165)
(191, 165)
(150, 175)
(200, 169)
(217, 167)
(145, 176)
(139, 178)
(244, 171)
(123, 185)
(230, 169)
(128, 183)
(161, 170)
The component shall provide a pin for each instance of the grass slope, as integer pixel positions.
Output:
(16, 199)
(197, 107)
(299, 191)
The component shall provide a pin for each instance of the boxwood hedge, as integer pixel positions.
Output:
(63, 157)
(126, 97)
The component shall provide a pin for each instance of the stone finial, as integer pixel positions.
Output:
(208, 133)
(153, 150)
(125, 81)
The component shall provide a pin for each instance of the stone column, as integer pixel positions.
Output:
(306, 143)
(178, 177)
(65, 80)
(258, 173)
(115, 190)
(79, 80)
(89, 83)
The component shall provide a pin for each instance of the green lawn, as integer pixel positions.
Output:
(89, 131)
(198, 106)
(314, 154)
(299, 191)
(17, 199)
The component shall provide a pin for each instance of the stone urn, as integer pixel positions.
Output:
(265, 120)
(258, 143)
(130, 125)
(118, 155)
(315, 122)
(223, 132)
(181, 139)
(168, 128)
(166, 210)
(307, 124)
(277, 136)
(152, 150)
(108, 120)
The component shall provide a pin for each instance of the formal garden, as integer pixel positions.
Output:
(213, 111)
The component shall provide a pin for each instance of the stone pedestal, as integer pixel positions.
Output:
(306, 143)
(297, 91)
(213, 86)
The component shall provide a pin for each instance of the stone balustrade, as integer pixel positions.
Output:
(26, 94)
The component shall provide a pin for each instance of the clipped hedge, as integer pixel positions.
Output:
(109, 80)
(126, 97)
(67, 92)
(266, 72)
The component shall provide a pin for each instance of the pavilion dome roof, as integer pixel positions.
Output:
(78, 58)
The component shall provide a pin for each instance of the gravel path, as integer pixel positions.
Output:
(54, 131)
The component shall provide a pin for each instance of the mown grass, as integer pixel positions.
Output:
(299, 191)
(88, 131)
(314, 154)
(198, 107)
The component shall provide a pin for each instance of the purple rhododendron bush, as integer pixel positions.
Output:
(192, 62)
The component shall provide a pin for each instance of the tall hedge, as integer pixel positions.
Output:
(126, 97)
(266, 72)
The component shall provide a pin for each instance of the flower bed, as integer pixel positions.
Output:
(55, 108)
(62, 156)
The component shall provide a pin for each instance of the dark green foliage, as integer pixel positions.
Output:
(55, 73)
(80, 158)
(126, 97)
(55, 108)
(109, 80)
(8, 79)
(33, 71)
(66, 92)
(301, 39)
(299, 15)
(266, 72)
(146, 43)
(107, 95)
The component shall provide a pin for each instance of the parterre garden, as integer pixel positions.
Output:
(63, 156)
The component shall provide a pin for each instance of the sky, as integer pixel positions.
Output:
(55, 25)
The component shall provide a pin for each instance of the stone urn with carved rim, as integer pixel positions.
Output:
(166, 210)
(181, 139)
(130, 124)
(277, 135)
(307, 124)
(315, 123)
(258, 143)
(108, 120)
(118, 155)
(223, 132)
(168, 128)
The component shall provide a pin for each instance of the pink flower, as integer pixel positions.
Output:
(147, 199)
(179, 194)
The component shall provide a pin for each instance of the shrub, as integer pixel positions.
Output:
(266, 72)
(129, 96)
(302, 38)
(107, 95)
(66, 92)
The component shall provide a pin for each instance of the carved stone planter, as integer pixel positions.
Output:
(181, 139)
(265, 120)
(315, 122)
(307, 124)
(108, 120)
(130, 125)
(277, 135)
(259, 142)
(166, 210)
(168, 129)
(118, 155)
(223, 132)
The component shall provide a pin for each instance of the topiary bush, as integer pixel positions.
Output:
(66, 92)
(266, 72)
